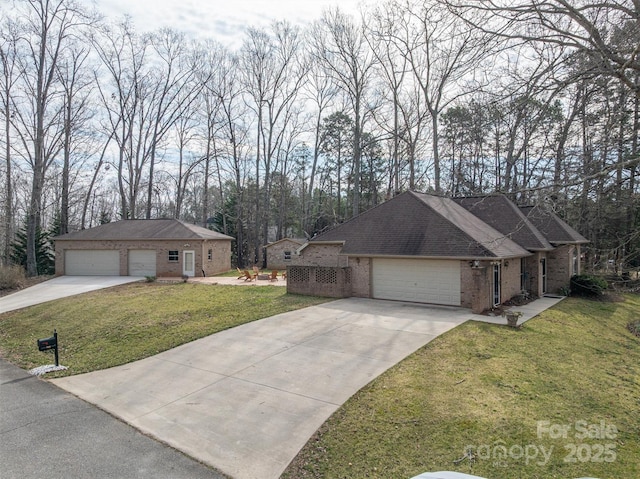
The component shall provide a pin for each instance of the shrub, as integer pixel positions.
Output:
(588, 285)
(11, 277)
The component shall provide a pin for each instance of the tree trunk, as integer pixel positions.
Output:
(8, 203)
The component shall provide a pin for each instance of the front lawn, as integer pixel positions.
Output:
(557, 399)
(118, 325)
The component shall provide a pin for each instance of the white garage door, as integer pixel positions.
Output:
(92, 262)
(142, 262)
(420, 281)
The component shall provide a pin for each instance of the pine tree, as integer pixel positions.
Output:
(45, 258)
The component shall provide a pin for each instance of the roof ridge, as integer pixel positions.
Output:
(470, 227)
(353, 218)
(526, 221)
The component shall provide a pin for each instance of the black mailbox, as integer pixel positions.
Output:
(50, 343)
(47, 343)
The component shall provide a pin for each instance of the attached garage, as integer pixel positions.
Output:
(142, 262)
(419, 281)
(92, 262)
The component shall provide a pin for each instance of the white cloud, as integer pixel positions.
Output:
(224, 21)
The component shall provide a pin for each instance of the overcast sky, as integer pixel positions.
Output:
(222, 20)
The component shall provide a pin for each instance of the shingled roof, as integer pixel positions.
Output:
(502, 214)
(417, 224)
(162, 229)
(552, 227)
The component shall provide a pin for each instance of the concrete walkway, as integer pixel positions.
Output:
(529, 310)
(247, 399)
(60, 287)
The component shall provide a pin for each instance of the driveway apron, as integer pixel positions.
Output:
(247, 399)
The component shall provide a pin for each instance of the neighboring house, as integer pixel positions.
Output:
(424, 248)
(162, 248)
(280, 253)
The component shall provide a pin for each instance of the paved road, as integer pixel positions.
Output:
(60, 287)
(247, 399)
(46, 432)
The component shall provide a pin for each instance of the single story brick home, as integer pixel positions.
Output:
(280, 253)
(160, 247)
(472, 252)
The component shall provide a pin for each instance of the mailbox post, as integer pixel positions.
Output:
(50, 343)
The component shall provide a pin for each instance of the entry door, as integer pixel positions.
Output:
(543, 274)
(189, 263)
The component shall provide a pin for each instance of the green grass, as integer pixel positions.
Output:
(122, 324)
(488, 386)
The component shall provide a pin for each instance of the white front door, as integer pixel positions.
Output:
(189, 263)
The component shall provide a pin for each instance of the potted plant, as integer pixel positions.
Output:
(512, 317)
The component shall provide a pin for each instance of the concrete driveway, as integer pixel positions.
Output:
(60, 287)
(247, 399)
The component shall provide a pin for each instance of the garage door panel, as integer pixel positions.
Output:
(424, 281)
(92, 263)
(142, 262)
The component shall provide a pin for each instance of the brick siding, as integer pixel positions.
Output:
(220, 262)
(275, 254)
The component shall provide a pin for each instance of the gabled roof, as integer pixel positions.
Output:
(297, 241)
(552, 227)
(163, 229)
(502, 214)
(417, 224)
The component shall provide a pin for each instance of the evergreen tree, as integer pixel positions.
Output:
(45, 258)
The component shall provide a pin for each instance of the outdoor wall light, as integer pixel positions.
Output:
(474, 264)
(506, 264)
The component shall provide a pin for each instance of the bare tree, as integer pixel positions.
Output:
(76, 86)
(233, 132)
(443, 53)
(8, 80)
(340, 45)
(123, 89)
(49, 28)
(320, 90)
(185, 134)
(393, 68)
(172, 91)
(273, 75)
(590, 27)
(209, 110)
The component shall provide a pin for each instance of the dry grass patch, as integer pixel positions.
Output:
(490, 387)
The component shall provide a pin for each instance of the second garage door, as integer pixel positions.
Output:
(142, 262)
(92, 262)
(420, 281)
